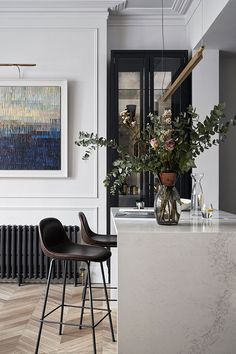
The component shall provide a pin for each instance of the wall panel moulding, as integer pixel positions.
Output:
(60, 5)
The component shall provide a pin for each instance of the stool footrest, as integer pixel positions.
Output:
(86, 307)
(100, 287)
(95, 324)
(76, 324)
(102, 299)
(75, 306)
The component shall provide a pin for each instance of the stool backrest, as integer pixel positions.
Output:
(51, 234)
(85, 231)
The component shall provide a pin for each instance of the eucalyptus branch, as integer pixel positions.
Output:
(92, 141)
(122, 168)
(202, 133)
(165, 144)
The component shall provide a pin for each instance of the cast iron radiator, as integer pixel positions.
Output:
(21, 256)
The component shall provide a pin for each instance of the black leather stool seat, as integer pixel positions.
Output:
(104, 240)
(56, 244)
(82, 253)
(93, 238)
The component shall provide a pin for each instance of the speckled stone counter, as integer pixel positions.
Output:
(177, 286)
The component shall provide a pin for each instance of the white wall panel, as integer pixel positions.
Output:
(205, 94)
(69, 46)
(67, 215)
(58, 54)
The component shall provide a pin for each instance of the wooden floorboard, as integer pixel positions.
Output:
(20, 309)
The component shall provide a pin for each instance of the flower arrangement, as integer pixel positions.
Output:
(166, 144)
(130, 123)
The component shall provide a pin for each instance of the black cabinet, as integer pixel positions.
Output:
(137, 80)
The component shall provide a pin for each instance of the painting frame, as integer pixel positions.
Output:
(58, 169)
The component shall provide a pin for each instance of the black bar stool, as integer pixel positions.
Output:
(92, 238)
(56, 245)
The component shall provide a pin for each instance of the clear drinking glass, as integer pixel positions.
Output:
(197, 199)
(207, 210)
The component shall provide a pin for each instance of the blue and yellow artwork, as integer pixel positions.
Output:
(30, 128)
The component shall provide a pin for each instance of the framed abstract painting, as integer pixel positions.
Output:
(33, 128)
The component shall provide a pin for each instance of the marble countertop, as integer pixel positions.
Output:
(220, 222)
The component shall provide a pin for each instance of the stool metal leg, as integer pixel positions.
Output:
(44, 306)
(83, 301)
(63, 295)
(108, 262)
(91, 309)
(107, 301)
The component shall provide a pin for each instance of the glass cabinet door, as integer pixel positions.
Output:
(131, 97)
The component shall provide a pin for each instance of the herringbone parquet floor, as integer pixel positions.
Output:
(20, 309)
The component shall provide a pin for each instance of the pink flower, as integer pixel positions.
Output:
(154, 143)
(169, 144)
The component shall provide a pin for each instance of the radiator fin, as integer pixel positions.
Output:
(21, 256)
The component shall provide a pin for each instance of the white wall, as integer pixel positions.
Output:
(145, 34)
(205, 94)
(200, 17)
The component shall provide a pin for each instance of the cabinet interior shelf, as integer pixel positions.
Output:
(129, 195)
(137, 89)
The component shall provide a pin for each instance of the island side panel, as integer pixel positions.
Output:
(176, 293)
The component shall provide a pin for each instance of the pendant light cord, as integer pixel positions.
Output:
(202, 13)
(162, 29)
(163, 46)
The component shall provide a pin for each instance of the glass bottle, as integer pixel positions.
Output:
(197, 199)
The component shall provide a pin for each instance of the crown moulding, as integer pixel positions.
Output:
(181, 6)
(61, 5)
(174, 15)
(177, 8)
(145, 20)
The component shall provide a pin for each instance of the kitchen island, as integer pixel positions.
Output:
(176, 285)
